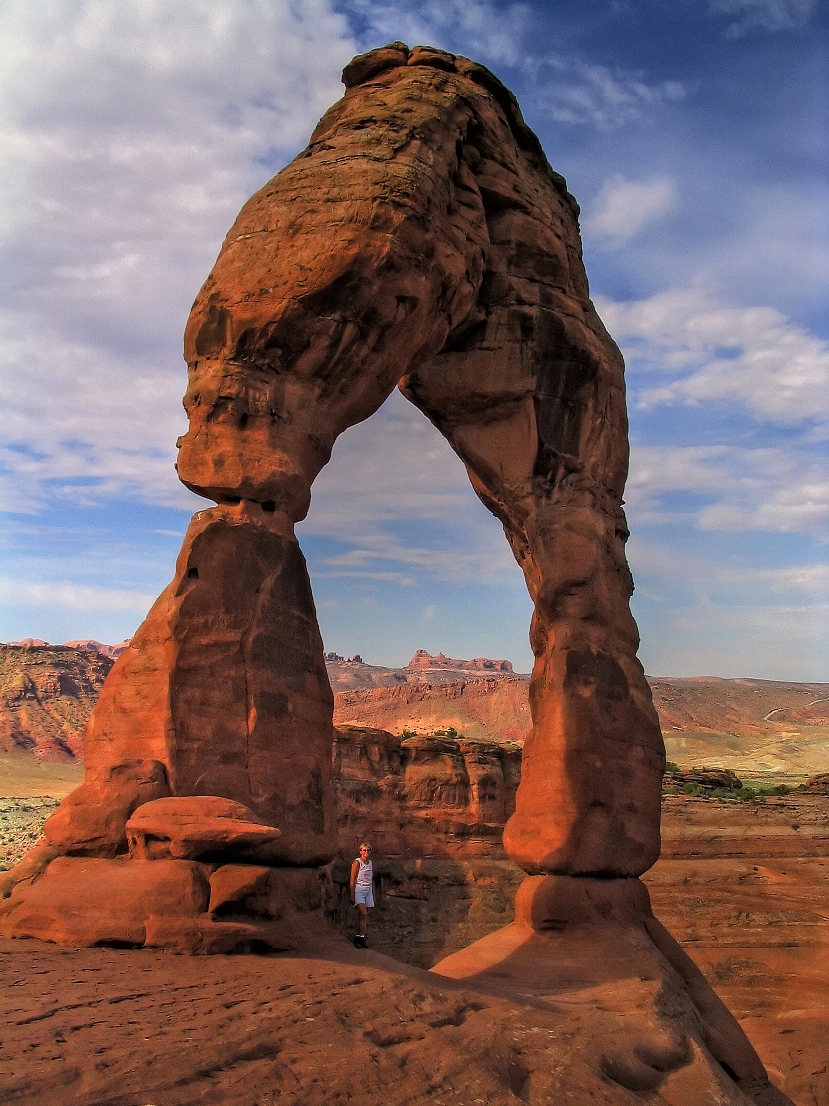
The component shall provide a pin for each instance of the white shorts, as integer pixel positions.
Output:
(363, 895)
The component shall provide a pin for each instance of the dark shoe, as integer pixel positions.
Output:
(360, 942)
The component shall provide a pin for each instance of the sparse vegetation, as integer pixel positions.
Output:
(449, 732)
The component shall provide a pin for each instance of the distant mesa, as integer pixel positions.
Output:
(92, 646)
(335, 658)
(423, 660)
(89, 645)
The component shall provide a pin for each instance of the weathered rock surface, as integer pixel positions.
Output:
(448, 259)
(739, 887)
(191, 826)
(710, 778)
(338, 1025)
(594, 947)
(91, 821)
(90, 645)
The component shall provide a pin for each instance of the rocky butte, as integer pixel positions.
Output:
(420, 241)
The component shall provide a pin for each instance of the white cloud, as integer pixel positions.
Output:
(623, 207)
(69, 595)
(396, 470)
(708, 352)
(583, 93)
(733, 489)
(479, 29)
(131, 134)
(764, 15)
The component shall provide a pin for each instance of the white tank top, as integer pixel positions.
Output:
(364, 874)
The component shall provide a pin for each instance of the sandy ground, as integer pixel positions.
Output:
(25, 777)
(105, 1027)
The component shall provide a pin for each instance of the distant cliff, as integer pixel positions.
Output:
(488, 708)
(47, 693)
(423, 660)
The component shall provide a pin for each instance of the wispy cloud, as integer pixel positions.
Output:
(583, 93)
(730, 489)
(624, 207)
(480, 29)
(73, 596)
(711, 352)
(762, 15)
(131, 134)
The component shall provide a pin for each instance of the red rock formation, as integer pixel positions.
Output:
(46, 695)
(483, 709)
(89, 645)
(421, 239)
(424, 660)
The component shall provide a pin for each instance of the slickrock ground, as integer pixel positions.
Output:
(744, 888)
(126, 1028)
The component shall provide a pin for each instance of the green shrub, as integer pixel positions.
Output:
(671, 767)
(693, 789)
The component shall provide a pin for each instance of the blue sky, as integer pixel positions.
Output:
(693, 134)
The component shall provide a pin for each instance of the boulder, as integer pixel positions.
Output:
(184, 827)
(92, 820)
(93, 901)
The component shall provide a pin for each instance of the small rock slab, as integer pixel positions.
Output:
(184, 827)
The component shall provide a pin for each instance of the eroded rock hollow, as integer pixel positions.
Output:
(420, 241)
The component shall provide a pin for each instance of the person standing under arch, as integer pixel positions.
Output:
(361, 884)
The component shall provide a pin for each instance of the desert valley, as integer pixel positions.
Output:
(427, 760)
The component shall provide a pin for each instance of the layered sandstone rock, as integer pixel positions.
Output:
(46, 695)
(482, 709)
(423, 660)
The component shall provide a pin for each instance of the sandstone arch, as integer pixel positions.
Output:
(420, 240)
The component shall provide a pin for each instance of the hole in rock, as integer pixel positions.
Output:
(269, 506)
(402, 555)
(192, 573)
(243, 421)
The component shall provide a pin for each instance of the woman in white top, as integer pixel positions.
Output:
(361, 884)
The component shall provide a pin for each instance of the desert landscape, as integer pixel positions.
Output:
(177, 927)
(741, 884)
